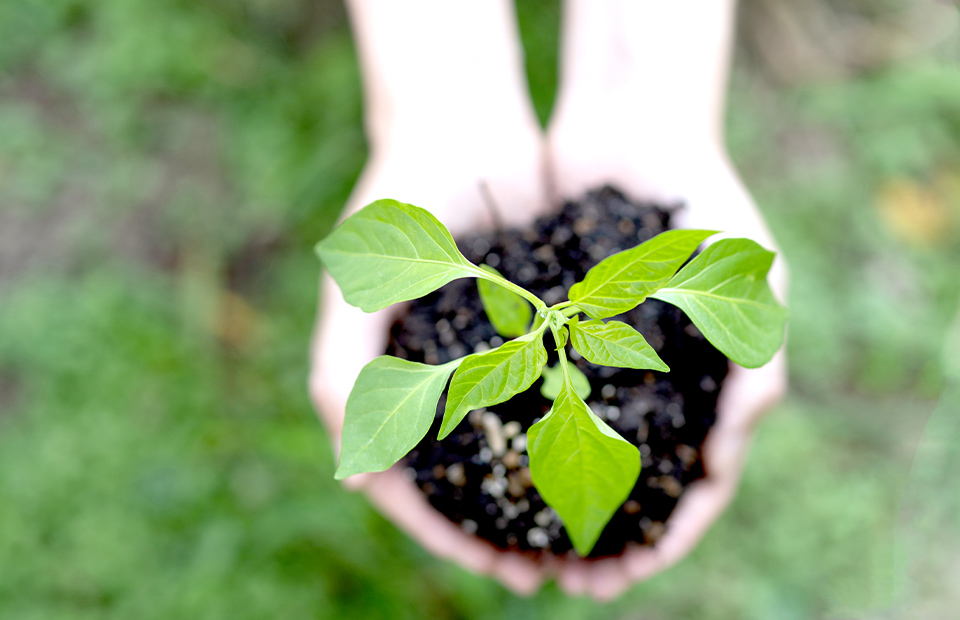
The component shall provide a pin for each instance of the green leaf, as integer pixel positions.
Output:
(553, 381)
(389, 252)
(492, 377)
(389, 410)
(725, 293)
(582, 468)
(622, 281)
(509, 313)
(613, 344)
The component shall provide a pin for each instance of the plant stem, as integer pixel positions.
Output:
(507, 284)
(562, 352)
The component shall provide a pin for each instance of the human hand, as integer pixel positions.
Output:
(442, 171)
(589, 144)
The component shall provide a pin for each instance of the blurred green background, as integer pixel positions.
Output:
(165, 168)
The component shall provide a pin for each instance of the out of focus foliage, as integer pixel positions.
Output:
(164, 169)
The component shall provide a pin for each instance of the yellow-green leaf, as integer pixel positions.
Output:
(613, 344)
(389, 410)
(388, 252)
(725, 293)
(582, 468)
(492, 377)
(621, 282)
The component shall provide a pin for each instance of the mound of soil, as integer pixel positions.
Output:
(478, 476)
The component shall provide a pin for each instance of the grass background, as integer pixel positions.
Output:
(165, 168)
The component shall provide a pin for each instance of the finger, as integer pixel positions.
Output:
(519, 574)
(748, 393)
(641, 563)
(398, 499)
(572, 577)
(608, 579)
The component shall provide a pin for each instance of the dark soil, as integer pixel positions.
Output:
(478, 475)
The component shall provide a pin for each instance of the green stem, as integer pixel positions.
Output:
(507, 284)
(571, 311)
(562, 352)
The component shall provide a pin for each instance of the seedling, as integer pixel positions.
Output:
(389, 252)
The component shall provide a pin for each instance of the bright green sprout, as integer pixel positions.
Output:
(389, 252)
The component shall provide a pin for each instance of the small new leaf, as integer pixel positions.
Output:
(725, 293)
(492, 377)
(553, 381)
(582, 468)
(388, 252)
(621, 282)
(389, 410)
(509, 313)
(613, 344)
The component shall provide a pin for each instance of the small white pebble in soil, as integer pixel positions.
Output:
(678, 420)
(692, 331)
(707, 384)
(686, 454)
(665, 466)
(496, 341)
(499, 470)
(644, 449)
(519, 443)
(642, 432)
(673, 409)
(645, 523)
(461, 321)
(485, 455)
(523, 505)
(439, 471)
(545, 517)
(655, 532)
(537, 537)
(510, 511)
(443, 326)
(574, 355)
(524, 460)
(493, 260)
(501, 523)
(481, 347)
(671, 486)
(410, 473)
(510, 429)
(511, 459)
(494, 487)
(491, 509)
(608, 391)
(613, 413)
(493, 429)
(527, 273)
(456, 475)
(469, 526)
(631, 507)
(583, 226)
(475, 417)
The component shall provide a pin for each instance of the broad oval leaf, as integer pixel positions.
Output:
(582, 468)
(621, 282)
(388, 252)
(725, 293)
(509, 313)
(553, 381)
(389, 410)
(613, 344)
(492, 377)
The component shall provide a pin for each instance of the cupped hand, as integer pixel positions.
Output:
(447, 168)
(670, 165)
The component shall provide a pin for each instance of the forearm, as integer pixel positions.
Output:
(660, 65)
(434, 62)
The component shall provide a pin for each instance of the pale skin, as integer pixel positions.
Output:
(640, 106)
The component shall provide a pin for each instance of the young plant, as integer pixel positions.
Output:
(389, 252)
